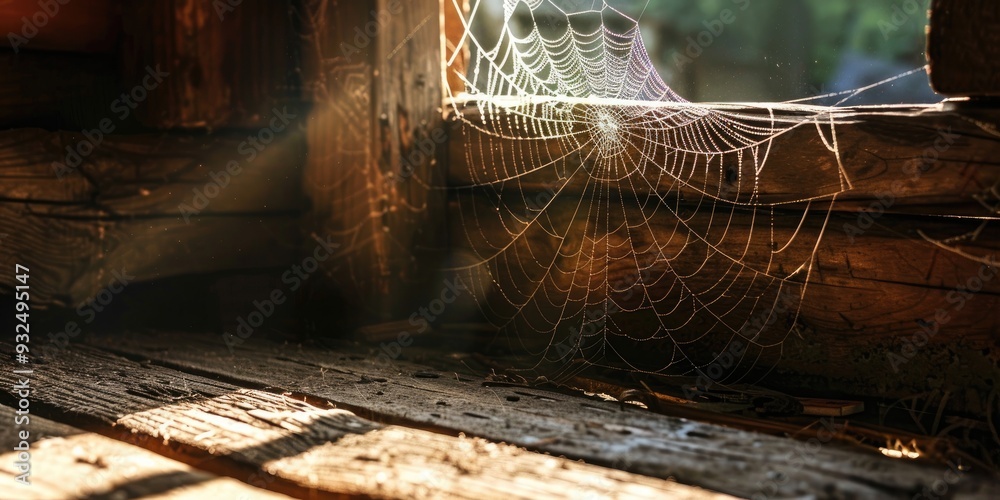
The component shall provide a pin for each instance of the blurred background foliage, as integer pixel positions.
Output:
(815, 46)
(778, 50)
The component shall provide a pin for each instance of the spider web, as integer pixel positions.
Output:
(613, 223)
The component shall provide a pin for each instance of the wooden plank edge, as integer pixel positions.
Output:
(66, 462)
(429, 399)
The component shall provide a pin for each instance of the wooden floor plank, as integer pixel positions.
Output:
(721, 459)
(335, 451)
(309, 450)
(67, 462)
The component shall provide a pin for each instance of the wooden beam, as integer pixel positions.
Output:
(155, 206)
(866, 299)
(230, 64)
(930, 160)
(60, 25)
(891, 251)
(400, 392)
(136, 250)
(963, 48)
(410, 147)
(67, 462)
(310, 449)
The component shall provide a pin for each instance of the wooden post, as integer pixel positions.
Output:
(963, 48)
(373, 74)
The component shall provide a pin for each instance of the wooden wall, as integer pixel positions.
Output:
(374, 81)
(888, 313)
(366, 158)
(128, 144)
(360, 84)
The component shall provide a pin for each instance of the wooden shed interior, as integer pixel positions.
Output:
(345, 249)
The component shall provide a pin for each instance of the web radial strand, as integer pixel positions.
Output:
(615, 224)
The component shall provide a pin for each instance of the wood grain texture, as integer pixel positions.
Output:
(375, 133)
(931, 160)
(865, 299)
(410, 147)
(963, 47)
(341, 177)
(70, 463)
(401, 392)
(230, 63)
(312, 451)
(122, 208)
(917, 174)
(150, 175)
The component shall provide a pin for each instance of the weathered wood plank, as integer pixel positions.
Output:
(867, 297)
(150, 175)
(230, 63)
(153, 206)
(963, 47)
(313, 451)
(398, 391)
(67, 462)
(74, 260)
(891, 250)
(925, 160)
